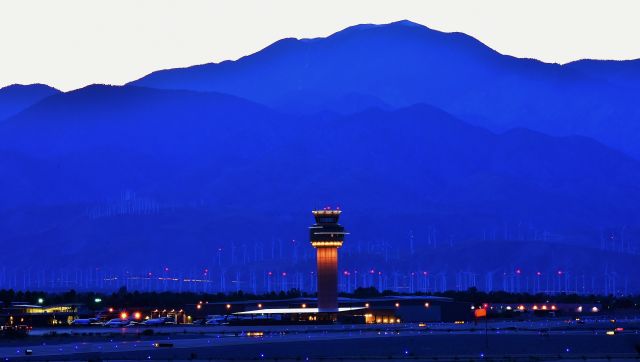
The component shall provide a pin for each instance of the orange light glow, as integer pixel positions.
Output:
(110, 310)
(369, 318)
(320, 244)
(397, 304)
(259, 305)
(199, 306)
(426, 305)
(124, 315)
(366, 305)
(137, 315)
(228, 306)
(304, 305)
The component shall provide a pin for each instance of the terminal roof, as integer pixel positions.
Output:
(292, 311)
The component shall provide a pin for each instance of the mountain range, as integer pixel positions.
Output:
(405, 128)
(404, 63)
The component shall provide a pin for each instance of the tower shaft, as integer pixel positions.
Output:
(327, 278)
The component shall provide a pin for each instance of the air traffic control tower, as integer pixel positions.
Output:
(327, 236)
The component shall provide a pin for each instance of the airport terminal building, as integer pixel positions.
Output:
(381, 310)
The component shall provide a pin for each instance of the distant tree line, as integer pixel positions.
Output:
(125, 298)
(475, 296)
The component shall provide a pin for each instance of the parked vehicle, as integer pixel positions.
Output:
(218, 320)
(85, 321)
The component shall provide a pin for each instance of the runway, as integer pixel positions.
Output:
(352, 342)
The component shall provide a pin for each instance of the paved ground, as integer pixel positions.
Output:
(544, 340)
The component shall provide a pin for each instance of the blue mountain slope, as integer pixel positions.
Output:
(207, 168)
(133, 118)
(404, 63)
(621, 73)
(17, 97)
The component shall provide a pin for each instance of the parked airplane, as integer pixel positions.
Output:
(117, 322)
(158, 321)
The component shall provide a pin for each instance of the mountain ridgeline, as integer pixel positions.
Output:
(409, 130)
(404, 63)
(17, 97)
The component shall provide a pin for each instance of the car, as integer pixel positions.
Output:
(162, 345)
(84, 321)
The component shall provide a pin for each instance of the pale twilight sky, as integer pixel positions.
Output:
(71, 43)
